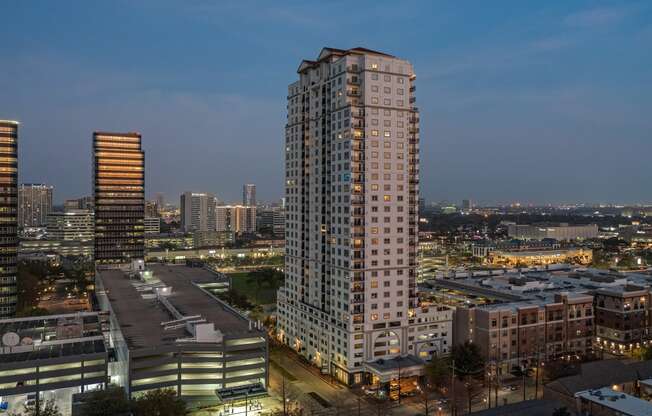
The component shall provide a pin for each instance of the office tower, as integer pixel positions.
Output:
(8, 215)
(71, 225)
(197, 211)
(352, 173)
(249, 195)
(34, 204)
(119, 176)
(238, 219)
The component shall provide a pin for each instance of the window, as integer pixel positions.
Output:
(374, 132)
(387, 133)
(374, 77)
(387, 198)
(374, 88)
(374, 100)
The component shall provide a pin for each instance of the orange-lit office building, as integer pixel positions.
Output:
(119, 177)
(8, 219)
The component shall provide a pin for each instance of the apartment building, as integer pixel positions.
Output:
(197, 211)
(622, 318)
(34, 204)
(518, 332)
(352, 173)
(238, 219)
(152, 225)
(249, 194)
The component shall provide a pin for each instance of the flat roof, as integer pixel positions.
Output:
(140, 319)
(620, 402)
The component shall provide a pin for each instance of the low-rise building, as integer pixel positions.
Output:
(512, 333)
(51, 358)
(152, 225)
(203, 239)
(169, 330)
(71, 225)
(556, 231)
(622, 318)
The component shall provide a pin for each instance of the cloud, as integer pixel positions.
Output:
(597, 17)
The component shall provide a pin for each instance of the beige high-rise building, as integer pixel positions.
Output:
(34, 204)
(197, 211)
(349, 303)
(238, 219)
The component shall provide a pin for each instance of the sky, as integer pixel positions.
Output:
(537, 102)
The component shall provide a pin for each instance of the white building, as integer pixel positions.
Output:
(72, 225)
(197, 211)
(152, 225)
(352, 173)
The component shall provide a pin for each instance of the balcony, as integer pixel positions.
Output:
(353, 81)
(353, 93)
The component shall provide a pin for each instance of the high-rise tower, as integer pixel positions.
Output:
(119, 176)
(34, 204)
(8, 216)
(249, 194)
(352, 174)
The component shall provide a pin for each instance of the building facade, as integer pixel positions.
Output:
(249, 194)
(72, 225)
(513, 333)
(238, 219)
(271, 220)
(152, 225)
(8, 216)
(556, 231)
(34, 204)
(197, 211)
(119, 192)
(352, 173)
(623, 320)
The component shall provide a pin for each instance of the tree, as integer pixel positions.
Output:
(49, 408)
(110, 402)
(438, 371)
(468, 359)
(561, 411)
(161, 402)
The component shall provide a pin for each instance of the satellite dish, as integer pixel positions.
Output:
(10, 339)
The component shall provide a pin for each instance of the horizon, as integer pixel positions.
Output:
(529, 107)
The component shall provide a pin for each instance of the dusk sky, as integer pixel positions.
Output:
(520, 101)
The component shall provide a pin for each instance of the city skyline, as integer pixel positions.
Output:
(529, 99)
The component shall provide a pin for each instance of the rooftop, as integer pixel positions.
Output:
(140, 314)
(620, 402)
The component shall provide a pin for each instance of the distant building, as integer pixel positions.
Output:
(271, 220)
(238, 219)
(119, 176)
(85, 202)
(203, 239)
(160, 200)
(152, 225)
(72, 225)
(249, 195)
(8, 214)
(34, 204)
(467, 205)
(197, 211)
(151, 209)
(556, 231)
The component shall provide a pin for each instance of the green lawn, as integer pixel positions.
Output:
(243, 286)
